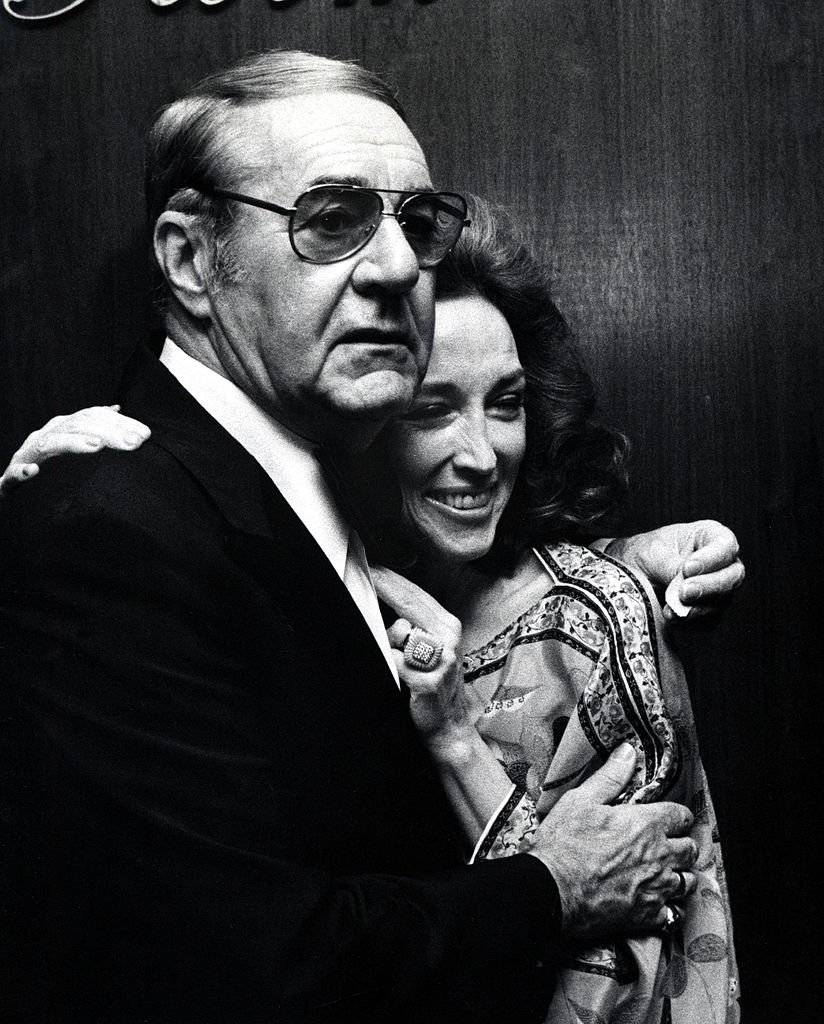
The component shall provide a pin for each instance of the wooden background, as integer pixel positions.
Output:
(668, 156)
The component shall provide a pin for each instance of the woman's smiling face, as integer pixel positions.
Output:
(457, 452)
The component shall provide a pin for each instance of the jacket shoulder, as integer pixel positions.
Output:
(140, 487)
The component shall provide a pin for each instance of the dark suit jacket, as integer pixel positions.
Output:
(215, 806)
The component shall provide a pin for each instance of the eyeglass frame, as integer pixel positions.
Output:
(290, 211)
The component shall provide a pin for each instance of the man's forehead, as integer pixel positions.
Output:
(332, 136)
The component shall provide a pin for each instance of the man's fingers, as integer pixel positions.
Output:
(715, 546)
(682, 883)
(709, 586)
(612, 778)
(677, 819)
(674, 821)
(703, 597)
(685, 853)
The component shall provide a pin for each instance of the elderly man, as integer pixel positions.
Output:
(219, 808)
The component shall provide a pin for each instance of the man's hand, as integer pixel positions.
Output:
(83, 432)
(615, 867)
(702, 558)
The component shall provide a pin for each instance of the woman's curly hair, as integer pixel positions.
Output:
(574, 475)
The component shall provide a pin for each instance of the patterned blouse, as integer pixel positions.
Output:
(585, 668)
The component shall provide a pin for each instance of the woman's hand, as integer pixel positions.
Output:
(80, 433)
(437, 702)
(474, 782)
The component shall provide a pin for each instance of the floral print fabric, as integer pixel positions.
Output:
(585, 668)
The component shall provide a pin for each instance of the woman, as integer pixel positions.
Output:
(498, 470)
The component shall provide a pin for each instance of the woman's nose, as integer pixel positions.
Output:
(474, 451)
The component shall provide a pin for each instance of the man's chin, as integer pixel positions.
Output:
(376, 396)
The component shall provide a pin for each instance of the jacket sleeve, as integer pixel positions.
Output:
(147, 885)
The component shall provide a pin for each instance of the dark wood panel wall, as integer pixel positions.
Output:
(667, 155)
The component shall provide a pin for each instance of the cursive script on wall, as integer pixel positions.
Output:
(10, 7)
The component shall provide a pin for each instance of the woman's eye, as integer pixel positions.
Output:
(509, 404)
(429, 412)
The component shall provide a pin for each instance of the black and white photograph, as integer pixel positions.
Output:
(411, 511)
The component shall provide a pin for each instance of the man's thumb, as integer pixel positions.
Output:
(612, 778)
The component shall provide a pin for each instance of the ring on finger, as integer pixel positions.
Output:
(421, 650)
(682, 885)
(673, 919)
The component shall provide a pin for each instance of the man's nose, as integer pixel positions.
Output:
(387, 262)
(474, 451)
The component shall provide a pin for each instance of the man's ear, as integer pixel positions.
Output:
(183, 255)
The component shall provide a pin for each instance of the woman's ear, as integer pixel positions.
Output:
(183, 255)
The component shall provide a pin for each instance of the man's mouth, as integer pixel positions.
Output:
(371, 336)
(462, 500)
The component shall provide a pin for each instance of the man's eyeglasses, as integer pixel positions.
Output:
(330, 222)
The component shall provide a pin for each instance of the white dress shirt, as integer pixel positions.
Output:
(290, 462)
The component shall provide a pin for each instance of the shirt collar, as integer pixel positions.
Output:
(287, 458)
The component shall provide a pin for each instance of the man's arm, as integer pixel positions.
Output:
(614, 866)
(698, 561)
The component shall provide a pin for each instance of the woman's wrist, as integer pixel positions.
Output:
(457, 746)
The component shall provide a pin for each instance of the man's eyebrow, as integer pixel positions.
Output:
(359, 180)
(338, 179)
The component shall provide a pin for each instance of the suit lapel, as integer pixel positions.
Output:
(264, 535)
(347, 720)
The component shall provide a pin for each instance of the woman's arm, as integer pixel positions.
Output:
(475, 782)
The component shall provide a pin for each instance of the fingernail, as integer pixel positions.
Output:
(692, 567)
(690, 591)
(625, 753)
(28, 471)
(133, 439)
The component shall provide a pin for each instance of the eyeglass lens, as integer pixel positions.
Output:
(332, 223)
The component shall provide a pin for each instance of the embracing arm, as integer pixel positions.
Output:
(79, 433)
(614, 866)
(696, 563)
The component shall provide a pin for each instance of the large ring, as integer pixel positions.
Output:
(421, 650)
(673, 919)
(682, 885)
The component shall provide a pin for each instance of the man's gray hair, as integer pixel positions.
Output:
(191, 140)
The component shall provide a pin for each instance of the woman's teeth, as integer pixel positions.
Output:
(462, 501)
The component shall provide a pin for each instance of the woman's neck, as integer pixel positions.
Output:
(485, 603)
(450, 583)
